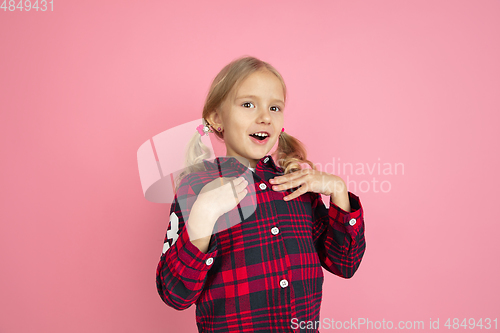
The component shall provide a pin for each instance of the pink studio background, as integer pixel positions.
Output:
(82, 87)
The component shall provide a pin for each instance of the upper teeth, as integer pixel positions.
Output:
(261, 134)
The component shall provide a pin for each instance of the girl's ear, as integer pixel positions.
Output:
(214, 118)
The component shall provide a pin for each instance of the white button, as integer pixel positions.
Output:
(209, 261)
(266, 159)
(352, 222)
(275, 230)
(262, 186)
(284, 283)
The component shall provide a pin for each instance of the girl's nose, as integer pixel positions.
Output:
(265, 115)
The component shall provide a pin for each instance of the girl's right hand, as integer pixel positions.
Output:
(218, 197)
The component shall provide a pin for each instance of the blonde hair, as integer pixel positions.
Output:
(290, 152)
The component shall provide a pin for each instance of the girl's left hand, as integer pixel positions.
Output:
(309, 180)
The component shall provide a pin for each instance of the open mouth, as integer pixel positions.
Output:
(260, 136)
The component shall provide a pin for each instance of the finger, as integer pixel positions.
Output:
(240, 185)
(241, 195)
(235, 193)
(295, 194)
(296, 174)
(240, 191)
(235, 180)
(291, 184)
(239, 180)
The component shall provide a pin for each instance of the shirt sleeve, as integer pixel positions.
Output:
(339, 236)
(182, 271)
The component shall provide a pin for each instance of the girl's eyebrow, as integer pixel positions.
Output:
(253, 96)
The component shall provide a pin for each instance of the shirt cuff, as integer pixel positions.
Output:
(352, 221)
(191, 256)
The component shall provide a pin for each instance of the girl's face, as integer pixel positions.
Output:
(255, 107)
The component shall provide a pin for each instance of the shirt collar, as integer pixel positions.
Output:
(231, 162)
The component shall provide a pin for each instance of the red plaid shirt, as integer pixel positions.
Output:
(263, 272)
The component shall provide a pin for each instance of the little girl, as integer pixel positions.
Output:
(264, 273)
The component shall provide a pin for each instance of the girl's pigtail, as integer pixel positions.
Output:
(196, 152)
(291, 153)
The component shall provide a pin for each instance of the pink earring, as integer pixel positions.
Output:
(218, 129)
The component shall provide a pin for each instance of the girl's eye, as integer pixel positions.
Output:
(277, 107)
